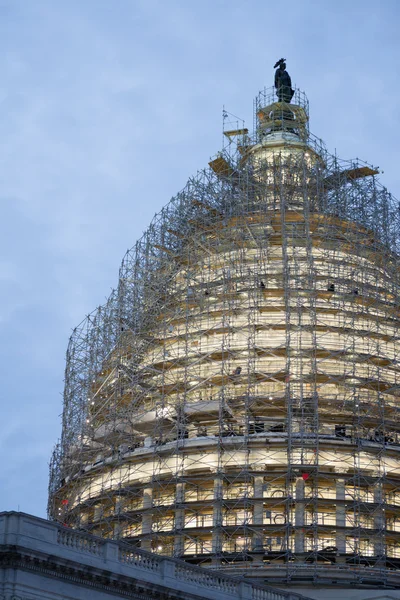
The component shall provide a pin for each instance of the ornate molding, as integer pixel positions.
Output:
(83, 575)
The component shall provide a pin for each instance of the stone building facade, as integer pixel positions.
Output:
(40, 560)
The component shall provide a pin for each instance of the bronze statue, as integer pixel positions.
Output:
(283, 83)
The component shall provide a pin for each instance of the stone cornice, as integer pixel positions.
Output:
(15, 557)
(56, 552)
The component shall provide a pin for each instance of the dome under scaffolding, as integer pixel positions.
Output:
(236, 400)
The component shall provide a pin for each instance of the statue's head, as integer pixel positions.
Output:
(281, 64)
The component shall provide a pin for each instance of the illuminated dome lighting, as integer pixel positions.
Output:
(236, 401)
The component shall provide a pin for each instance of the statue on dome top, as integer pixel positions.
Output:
(283, 83)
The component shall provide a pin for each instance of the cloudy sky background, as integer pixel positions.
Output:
(106, 108)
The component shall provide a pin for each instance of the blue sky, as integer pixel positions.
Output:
(106, 108)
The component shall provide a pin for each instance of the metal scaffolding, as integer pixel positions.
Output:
(236, 400)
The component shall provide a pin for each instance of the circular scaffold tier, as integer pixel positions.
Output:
(236, 401)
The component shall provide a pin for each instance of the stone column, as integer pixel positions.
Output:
(340, 515)
(217, 517)
(258, 512)
(179, 520)
(119, 503)
(379, 520)
(83, 519)
(117, 522)
(299, 516)
(117, 530)
(147, 516)
(98, 513)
